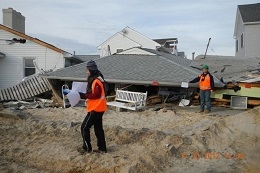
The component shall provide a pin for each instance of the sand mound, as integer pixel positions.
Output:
(45, 140)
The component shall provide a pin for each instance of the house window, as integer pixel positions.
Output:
(236, 45)
(29, 68)
(119, 50)
(242, 40)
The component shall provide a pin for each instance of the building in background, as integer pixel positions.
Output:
(247, 31)
(22, 55)
(169, 43)
(129, 38)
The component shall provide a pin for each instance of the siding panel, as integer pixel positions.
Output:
(240, 30)
(12, 67)
(252, 40)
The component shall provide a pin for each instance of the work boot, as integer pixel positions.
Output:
(100, 151)
(207, 111)
(82, 151)
(201, 111)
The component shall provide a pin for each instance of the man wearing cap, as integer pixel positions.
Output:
(206, 84)
(95, 107)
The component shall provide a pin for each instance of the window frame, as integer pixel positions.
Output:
(237, 45)
(242, 40)
(119, 50)
(24, 65)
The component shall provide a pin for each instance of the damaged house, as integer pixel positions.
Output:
(22, 57)
(241, 72)
(157, 72)
(241, 76)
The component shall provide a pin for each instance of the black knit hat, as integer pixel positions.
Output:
(91, 65)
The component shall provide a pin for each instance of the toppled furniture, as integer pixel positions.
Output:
(129, 100)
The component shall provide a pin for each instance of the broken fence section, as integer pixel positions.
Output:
(30, 87)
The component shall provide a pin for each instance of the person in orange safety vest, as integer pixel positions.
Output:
(95, 107)
(206, 84)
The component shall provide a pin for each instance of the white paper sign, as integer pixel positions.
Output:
(79, 86)
(185, 85)
(73, 97)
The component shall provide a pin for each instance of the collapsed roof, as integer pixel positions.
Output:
(134, 69)
(230, 68)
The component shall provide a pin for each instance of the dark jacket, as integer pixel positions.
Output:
(197, 79)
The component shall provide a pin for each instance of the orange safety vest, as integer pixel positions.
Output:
(204, 82)
(97, 105)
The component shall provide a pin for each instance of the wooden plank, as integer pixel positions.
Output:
(253, 102)
(9, 94)
(56, 99)
(1, 96)
(19, 92)
(26, 89)
(15, 93)
(242, 84)
(250, 102)
(48, 86)
(39, 84)
(4, 94)
(30, 87)
(24, 94)
(222, 100)
(35, 85)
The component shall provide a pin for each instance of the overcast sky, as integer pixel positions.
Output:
(81, 25)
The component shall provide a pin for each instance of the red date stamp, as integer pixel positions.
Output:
(211, 155)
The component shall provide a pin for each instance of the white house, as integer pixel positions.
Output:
(126, 39)
(18, 60)
(247, 31)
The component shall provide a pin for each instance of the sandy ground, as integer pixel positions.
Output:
(179, 140)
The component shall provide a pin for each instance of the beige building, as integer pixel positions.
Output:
(247, 31)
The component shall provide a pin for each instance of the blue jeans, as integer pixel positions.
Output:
(205, 99)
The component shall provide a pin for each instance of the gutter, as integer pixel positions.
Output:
(252, 23)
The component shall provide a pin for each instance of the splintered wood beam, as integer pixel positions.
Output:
(57, 100)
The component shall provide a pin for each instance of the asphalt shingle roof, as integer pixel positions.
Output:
(136, 68)
(250, 12)
(86, 58)
(227, 67)
(177, 59)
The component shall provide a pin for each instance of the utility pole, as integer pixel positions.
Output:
(206, 49)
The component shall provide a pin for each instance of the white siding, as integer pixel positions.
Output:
(240, 29)
(126, 40)
(118, 41)
(252, 40)
(144, 41)
(12, 67)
